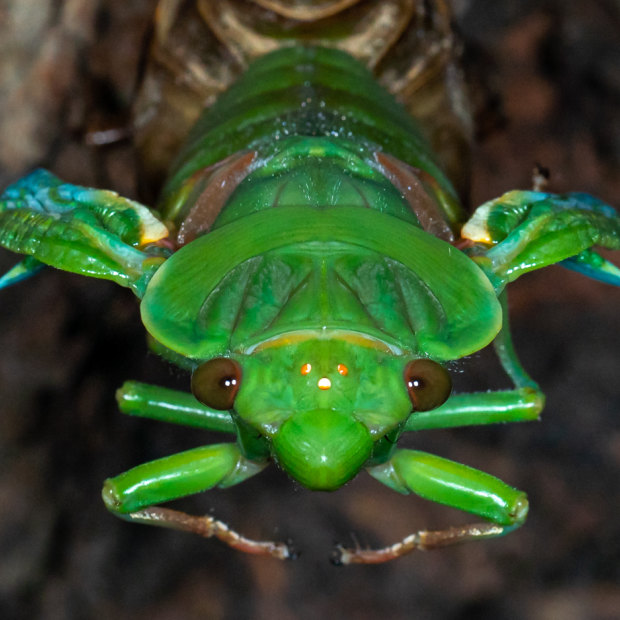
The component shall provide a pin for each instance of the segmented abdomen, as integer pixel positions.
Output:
(306, 126)
(200, 48)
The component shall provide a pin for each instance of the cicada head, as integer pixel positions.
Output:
(323, 403)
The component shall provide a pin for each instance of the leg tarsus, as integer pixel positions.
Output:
(423, 540)
(449, 483)
(208, 527)
(133, 495)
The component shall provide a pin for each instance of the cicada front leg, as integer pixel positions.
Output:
(446, 482)
(134, 495)
(453, 484)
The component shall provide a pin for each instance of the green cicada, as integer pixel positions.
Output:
(309, 261)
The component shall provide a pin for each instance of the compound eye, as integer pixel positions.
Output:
(428, 384)
(216, 383)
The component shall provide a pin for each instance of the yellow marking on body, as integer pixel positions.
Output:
(476, 234)
(317, 150)
(476, 228)
(152, 235)
(297, 337)
(152, 229)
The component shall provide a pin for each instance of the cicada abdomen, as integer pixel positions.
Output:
(200, 47)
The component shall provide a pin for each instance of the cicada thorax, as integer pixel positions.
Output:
(307, 200)
(200, 48)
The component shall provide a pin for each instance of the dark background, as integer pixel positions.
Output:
(547, 78)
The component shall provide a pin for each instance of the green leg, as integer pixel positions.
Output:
(449, 483)
(522, 404)
(158, 403)
(132, 495)
(506, 352)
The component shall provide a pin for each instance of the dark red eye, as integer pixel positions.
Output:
(216, 383)
(428, 384)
